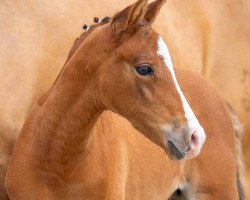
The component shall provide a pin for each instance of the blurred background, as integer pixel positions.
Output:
(209, 37)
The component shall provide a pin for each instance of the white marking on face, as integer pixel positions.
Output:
(193, 123)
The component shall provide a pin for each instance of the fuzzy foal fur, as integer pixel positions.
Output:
(70, 148)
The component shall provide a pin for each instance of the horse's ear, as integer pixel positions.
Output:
(129, 16)
(153, 10)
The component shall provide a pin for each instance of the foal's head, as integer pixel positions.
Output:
(130, 67)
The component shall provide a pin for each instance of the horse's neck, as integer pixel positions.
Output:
(62, 129)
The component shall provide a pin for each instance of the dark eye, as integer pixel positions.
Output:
(145, 70)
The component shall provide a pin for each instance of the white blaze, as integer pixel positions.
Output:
(192, 121)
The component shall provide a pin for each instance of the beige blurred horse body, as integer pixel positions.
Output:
(35, 38)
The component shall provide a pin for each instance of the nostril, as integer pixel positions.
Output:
(194, 139)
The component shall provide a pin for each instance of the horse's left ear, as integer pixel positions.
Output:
(129, 16)
(153, 10)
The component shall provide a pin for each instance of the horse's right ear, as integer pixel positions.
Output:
(153, 10)
(129, 16)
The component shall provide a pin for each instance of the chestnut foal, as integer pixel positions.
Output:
(74, 145)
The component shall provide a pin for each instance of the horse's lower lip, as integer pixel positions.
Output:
(178, 155)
